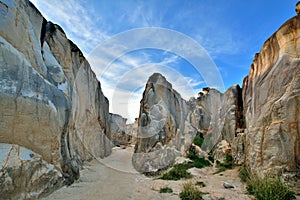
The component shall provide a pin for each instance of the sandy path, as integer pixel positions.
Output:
(114, 178)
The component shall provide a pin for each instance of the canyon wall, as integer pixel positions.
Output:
(271, 96)
(51, 103)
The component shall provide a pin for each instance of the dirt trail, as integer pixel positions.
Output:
(114, 178)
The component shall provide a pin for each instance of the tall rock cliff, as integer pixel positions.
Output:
(163, 129)
(271, 95)
(53, 114)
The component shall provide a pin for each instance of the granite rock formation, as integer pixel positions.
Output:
(218, 116)
(271, 96)
(51, 102)
(131, 129)
(119, 132)
(163, 129)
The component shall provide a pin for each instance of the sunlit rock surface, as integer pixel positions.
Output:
(51, 102)
(271, 95)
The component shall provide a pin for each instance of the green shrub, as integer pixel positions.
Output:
(190, 192)
(177, 172)
(228, 164)
(198, 140)
(180, 170)
(244, 173)
(166, 190)
(200, 163)
(211, 157)
(269, 187)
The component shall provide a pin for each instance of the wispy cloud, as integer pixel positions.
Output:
(81, 25)
(123, 76)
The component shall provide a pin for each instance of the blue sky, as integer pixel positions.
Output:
(230, 31)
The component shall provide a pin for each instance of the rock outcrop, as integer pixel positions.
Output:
(163, 131)
(131, 129)
(271, 95)
(218, 116)
(119, 132)
(51, 102)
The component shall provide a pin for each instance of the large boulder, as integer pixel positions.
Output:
(51, 102)
(271, 95)
(163, 129)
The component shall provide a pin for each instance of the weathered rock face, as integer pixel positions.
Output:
(271, 95)
(131, 129)
(163, 130)
(50, 100)
(119, 132)
(218, 117)
(25, 172)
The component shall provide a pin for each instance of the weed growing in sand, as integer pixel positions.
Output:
(228, 164)
(190, 192)
(265, 188)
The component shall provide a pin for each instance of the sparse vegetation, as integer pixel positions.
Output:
(179, 171)
(228, 164)
(244, 173)
(269, 187)
(198, 140)
(190, 192)
(166, 190)
(211, 157)
(200, 183)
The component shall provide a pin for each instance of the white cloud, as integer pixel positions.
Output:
(122, 77)
(80, 24)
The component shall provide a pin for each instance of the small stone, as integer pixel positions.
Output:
(207, 197)
(227, 185)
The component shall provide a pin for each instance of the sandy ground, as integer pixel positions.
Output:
(114, 178)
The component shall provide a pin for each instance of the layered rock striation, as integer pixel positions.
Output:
(51, 102)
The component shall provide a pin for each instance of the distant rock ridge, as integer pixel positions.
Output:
(54, 115)
(120, 133)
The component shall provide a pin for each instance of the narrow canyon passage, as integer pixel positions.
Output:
(111, 178)
(115, 178)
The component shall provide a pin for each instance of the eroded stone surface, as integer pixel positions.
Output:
(50, 100)
(163, 132)
(272, 101)
(218, 117)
